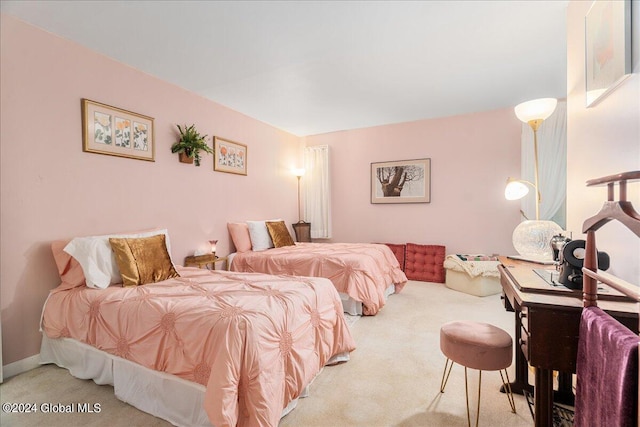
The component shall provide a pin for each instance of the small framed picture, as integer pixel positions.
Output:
(229, 156)
(607, 48)
(403, 181)
(116, 132)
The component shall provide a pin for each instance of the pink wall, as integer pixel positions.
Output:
(51, 190)
(602, 140)
(471, 158)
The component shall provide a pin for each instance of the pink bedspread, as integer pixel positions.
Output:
(255, 341)
(361, 270)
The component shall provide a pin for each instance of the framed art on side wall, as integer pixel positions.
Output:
(229, 156)
(116, 132)
(403, 181)
(607, 48)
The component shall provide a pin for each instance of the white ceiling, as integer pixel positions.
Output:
(313, 67)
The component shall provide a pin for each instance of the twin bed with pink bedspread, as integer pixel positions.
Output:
(249, 343)
(360, 271)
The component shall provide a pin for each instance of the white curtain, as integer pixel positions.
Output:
(552, 166)
(317, 191)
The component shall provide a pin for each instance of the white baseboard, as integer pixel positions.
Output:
(20, 366)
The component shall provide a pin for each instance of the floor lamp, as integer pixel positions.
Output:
(532, 238)
(301, 228)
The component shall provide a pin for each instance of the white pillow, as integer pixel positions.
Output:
(98, 261)
(260, 238)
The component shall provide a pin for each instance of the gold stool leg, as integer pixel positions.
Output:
(443, 383)
(466, 394)
(479, 388)
(507, 387)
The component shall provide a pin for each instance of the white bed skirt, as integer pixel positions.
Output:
(354, 308)
(160, 394)
(349, 305)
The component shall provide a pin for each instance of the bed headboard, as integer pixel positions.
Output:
(619, 210)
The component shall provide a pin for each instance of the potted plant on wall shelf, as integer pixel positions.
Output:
(190, 145)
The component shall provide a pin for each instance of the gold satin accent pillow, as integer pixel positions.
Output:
(143, 260)
(279, 234)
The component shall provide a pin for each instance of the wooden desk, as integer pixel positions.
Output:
(546, 332)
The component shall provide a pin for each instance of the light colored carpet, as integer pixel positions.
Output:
(392, 379)
(351, 320)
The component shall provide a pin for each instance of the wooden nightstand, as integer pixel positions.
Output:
(204, 261)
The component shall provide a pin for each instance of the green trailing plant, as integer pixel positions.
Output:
(191, 143)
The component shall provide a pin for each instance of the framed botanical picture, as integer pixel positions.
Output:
(402, 181)
(116, 132)
(229, 156)
(607, 48)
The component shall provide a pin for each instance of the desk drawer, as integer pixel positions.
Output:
(524, 331)
(506, 302)
(524, 342)
(551, 337)
(524, 319)
(508, 293)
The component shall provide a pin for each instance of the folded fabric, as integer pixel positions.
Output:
(477, 257)
(472, 268)
(607, 372)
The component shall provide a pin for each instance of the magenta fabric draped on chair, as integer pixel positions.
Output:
(607, 372)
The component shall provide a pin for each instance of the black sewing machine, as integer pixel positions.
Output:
(571, 262)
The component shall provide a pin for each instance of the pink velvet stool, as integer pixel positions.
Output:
(478, 346)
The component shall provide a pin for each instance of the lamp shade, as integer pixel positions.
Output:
(515, 189)
(538, 109)
(298, 172)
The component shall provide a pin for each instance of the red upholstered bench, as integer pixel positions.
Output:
(425, 263)
(399, 251)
